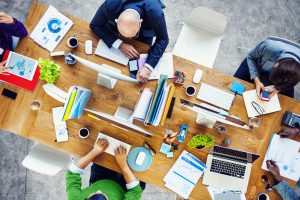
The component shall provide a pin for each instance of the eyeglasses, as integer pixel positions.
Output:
(150, 149)
(265, 180)
(259, 109)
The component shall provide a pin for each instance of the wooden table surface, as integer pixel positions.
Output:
(17, 117)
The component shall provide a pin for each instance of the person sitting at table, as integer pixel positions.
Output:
(9, 27)
(104, 183)
(119, 20)
(272, 62)
(285, 191)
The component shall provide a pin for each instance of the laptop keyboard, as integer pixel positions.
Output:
(231, 152)
(228, 168)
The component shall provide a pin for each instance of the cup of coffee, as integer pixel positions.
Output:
(73, 42)
(263, 196)
(190, 90)
(83, 133)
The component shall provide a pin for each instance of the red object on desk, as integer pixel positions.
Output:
(18, 81)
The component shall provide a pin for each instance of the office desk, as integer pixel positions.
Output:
(17, 117)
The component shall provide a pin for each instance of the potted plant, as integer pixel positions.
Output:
(200, 141)
(49, 70)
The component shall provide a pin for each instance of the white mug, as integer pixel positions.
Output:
(83, 133)
(190, 90)
(73, 42)
(263, 196)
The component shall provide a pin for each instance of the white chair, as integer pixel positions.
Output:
(46, 160)
(200, 37)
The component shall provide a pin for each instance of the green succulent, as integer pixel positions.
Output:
(201, 140)
(49, 70)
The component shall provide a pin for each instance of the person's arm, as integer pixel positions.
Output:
(98, 26)
(253, 57)
(73, 179)
(132, 184)
(12, 25)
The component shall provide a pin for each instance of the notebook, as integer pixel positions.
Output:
(269, 107)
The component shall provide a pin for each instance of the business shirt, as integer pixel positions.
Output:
(108, 187)
(267, 53)
(153, 25)
(16, 29)
(286, 192)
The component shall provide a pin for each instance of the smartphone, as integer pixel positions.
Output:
(10, 94)
(133, 68)
(265, 95)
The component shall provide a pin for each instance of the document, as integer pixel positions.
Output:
(184, 174)
(142, 107)
(285, 152)
(51, 29)
(268, 107)
(217, 193)
(60, 126)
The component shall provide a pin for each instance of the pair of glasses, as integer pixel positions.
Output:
(150, 149)
(259, 109)
(265, 180)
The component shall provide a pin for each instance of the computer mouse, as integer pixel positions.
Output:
(197, 76)
(88, 47)
(140, 158)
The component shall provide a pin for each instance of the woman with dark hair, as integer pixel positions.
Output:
(9, 27)
(275, 63)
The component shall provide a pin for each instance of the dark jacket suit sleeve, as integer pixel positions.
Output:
(98, 25)
(161, 43)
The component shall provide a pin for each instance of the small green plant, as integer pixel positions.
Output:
(49, 70)
(201, 140)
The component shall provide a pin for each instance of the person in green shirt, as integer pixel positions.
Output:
(104, 183)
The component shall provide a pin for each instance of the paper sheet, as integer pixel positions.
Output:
(272, 106)
(51, 29)
(287, 156)
(216, 190)
(143, 104)
(60, 126)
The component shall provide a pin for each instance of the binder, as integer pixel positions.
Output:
(170, 96)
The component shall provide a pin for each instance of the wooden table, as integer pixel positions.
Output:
(17, 117)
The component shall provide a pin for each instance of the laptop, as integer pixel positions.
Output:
(228, 168)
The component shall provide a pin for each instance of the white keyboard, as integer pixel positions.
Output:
(113, 144)
(215, 96)
(111, 53)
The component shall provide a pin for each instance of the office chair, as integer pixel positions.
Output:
(46, 160)
(200, 37)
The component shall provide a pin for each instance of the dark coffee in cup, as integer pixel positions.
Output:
(190, 90)
(83, 132)
(263, 196)
(72, 42)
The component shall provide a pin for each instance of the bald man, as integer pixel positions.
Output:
(119, 20)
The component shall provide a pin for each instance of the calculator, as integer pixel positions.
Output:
(291, 119)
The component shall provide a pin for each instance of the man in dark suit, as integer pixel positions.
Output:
(143, 20)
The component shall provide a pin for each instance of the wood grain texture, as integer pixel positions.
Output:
(16, 116)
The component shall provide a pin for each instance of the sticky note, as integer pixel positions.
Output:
(165, 148)
(237, 88)
(170, 155)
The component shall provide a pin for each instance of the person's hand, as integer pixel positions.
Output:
(5, 18)
(100, 146)
(3, 69)
(274, 169)
(129, 50)
(288, 132)
(272, 90)
(121, 157)
(143, 74)
(259, 86)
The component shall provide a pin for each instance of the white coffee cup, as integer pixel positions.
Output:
(73, 42)
(190, 90)
(83, 133)
(263, 196)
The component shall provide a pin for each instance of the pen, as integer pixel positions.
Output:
(93, 116)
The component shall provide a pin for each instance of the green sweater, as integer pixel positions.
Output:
(108, 187)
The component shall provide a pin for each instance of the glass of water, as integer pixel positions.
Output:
(254, 122)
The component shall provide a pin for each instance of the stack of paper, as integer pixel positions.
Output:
(163, 67)
(184, 174)
(285, 152)
(76, 102)
(269, 107)
(142, 107)
(51, 29)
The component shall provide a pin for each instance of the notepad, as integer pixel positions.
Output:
(269, 107)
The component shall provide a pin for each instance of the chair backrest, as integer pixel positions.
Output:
(207, 19)
(284, 40)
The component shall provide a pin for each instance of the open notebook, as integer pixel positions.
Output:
(268, 107)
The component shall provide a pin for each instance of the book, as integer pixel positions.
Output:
(168, 103)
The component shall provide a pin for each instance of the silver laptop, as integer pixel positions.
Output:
(228, 168)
